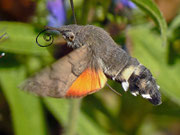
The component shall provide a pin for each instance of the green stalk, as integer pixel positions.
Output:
(73, 117)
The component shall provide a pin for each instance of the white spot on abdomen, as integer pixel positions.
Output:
(146, 96)
(135, 93)
(125, 85)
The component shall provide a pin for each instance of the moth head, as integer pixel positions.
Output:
(70, 34)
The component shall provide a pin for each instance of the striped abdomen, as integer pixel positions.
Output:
(131, 74)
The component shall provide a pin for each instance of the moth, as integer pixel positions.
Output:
(95, 57)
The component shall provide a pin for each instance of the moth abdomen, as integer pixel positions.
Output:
(140, 81)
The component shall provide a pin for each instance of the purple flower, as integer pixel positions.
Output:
(128, 3)
(57, 14)
(125, 3)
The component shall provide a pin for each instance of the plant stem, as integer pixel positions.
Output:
(73, 117)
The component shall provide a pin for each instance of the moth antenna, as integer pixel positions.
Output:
(113, 89)
(48, 37)
(72, 7)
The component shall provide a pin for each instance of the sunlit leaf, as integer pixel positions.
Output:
(150, 8)
(21, 39)
(175, 24)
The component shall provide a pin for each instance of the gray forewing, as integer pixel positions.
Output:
(55, 80)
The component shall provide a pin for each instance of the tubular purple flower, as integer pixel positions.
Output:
(125, 3)
(128, 3)
(57, 14)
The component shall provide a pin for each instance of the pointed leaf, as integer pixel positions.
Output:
(26, 110)
(151, 8)
(21, 39)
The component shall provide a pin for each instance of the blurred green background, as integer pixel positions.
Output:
(148, 30)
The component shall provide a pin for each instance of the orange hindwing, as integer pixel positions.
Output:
(88, 82)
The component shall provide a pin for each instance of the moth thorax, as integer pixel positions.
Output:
(74, 44)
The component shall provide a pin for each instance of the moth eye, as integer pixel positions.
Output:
(71, 37)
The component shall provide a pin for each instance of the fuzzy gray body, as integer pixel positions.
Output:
(116, 63)
(101, 52)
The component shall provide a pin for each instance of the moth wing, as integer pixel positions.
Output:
(70, 76)
(88, 82)
(55, 80)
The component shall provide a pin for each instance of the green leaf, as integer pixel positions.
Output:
(60, 109)
(26, 110)
(153, 56)
(21, 39)
(150, 8)
(175, 24)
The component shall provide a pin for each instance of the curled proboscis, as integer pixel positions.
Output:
(47, 36)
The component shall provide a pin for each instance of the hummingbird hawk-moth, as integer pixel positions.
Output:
(95, 57)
